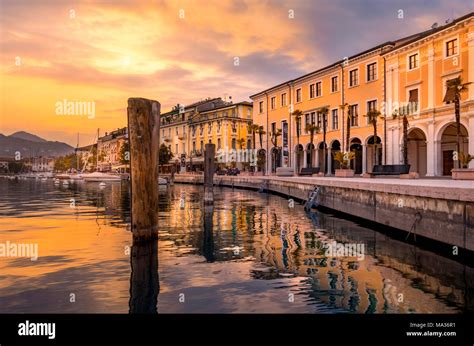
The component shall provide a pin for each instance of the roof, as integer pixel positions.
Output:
(392, 44)
(410, 39)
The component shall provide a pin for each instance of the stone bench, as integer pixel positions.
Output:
(309, 170)
(390, 170)
(285, 172)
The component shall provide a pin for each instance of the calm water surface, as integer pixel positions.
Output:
(251, 253)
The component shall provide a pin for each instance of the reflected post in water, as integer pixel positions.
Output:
(144, 283)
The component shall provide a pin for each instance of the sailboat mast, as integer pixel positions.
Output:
(97, 153)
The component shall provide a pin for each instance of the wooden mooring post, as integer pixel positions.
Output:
(143, 132)
(209, 170)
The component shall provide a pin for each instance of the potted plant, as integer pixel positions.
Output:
(344, 159)
(463, 173)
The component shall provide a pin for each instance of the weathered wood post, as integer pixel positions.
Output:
(209, 173)
(144, 130)
(208, 236)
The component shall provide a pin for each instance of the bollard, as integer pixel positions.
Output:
(143, 128)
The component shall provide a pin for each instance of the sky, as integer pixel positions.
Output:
(55, 55)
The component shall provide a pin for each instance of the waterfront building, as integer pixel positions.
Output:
(186, 129)
(350, 88)
(108, 149)
(42, 164)
(417, 71)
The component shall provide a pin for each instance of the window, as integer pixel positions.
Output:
(413, 61)
(234, 143)
(273, 102)
(371, 72)
(306, 120)
(169, 132)
(202, 145)
(371, 106)
(319, 89)
(194, 146)
(209, 128)
(201, 129)
(283, 99)
(313, 118)
(184, 130)
(177, 131)
(335, 119)
(311, 91)
(413, 101)
(298, 95)
(176, 149)
(218, 143)
(320, 121)
(273, 127)
(334, 84)
(353, 78)
(354, 112)
(260, 106)
(451, 47)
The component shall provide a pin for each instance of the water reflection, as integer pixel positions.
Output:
(247, 253)
(144, 282)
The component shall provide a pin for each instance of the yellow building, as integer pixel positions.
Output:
(361, 82)
(418, 71)
(186, 129)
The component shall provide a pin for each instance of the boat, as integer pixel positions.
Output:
(63, 176)
(162, 181)
(101, 177)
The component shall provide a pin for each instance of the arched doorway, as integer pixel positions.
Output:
(261, 160)
(276, 158)
(356, 147)
(310, 152)
(299, 161)
(448, 146)
(335, 147)
(374, 153)
(417, 155)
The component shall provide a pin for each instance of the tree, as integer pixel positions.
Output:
(241, 142)
(261, 132)
(454, 88)
(403, 114)
(254, 130)
(312, 129)
(125, 153)
(324, 114)
(274, 137)
(372, 116)
(164, 154)
(298, 114)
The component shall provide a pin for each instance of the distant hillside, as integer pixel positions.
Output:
(27, 136)
(30, 145)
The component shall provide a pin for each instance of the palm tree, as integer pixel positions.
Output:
(261, 132)
(324, 113)
(312, 129)
(403, 113)
(298, 114)
(372, 116)
(274, 138)
(241, 142)
(343, 108)
(254, 129)
(454, 88)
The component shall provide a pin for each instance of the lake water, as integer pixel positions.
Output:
(251, 253)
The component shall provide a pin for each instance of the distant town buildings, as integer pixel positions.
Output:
(42, 164)
(108, 150)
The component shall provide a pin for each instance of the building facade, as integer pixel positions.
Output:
(108, 150)
(186, 129)
(418, 71)
(375, 79)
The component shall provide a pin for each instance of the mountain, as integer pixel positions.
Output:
(30, 145)
(28, 136)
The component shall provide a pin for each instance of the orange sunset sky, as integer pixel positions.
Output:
(108, 51)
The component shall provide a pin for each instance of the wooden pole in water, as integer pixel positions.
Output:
(209, 173)
(144, 131)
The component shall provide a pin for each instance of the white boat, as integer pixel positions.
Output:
(100, 177)
(63, 176)
(162, 181)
